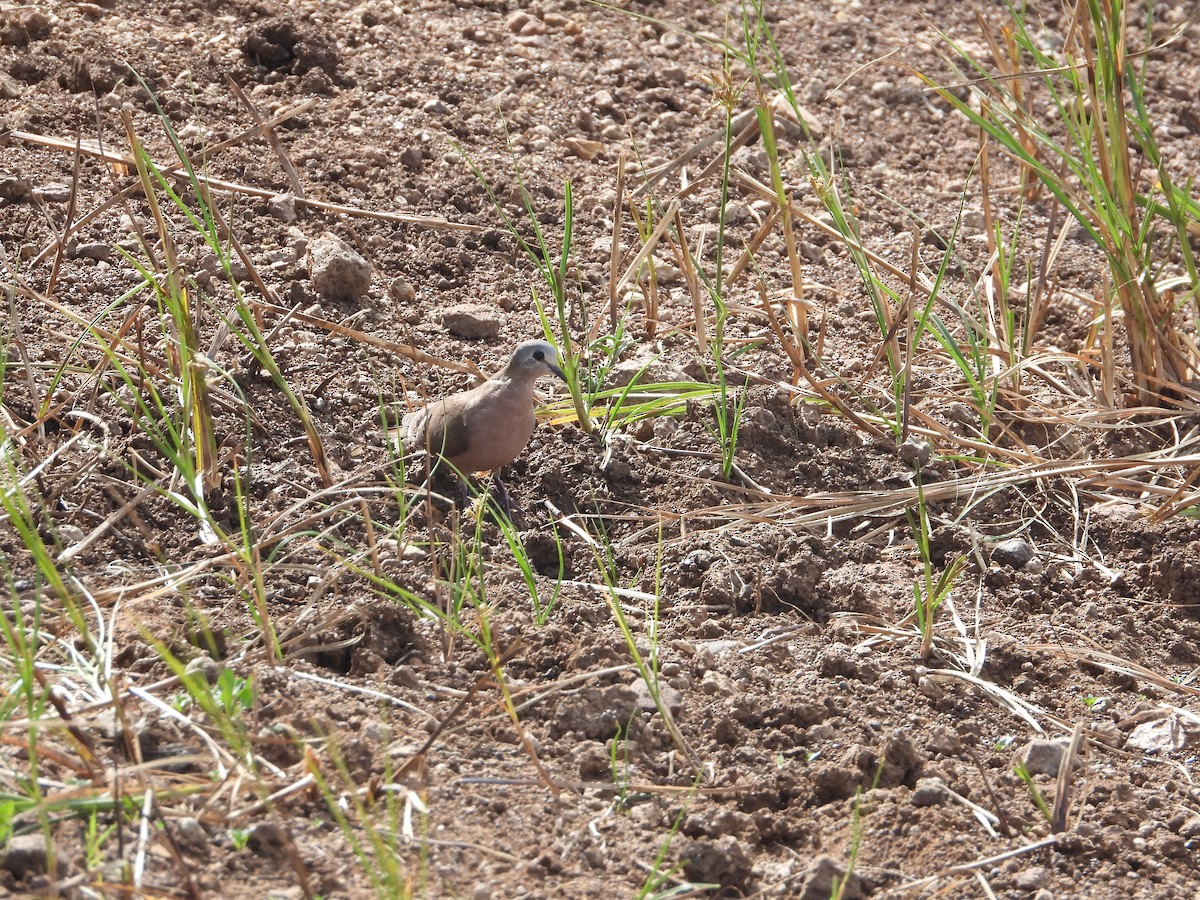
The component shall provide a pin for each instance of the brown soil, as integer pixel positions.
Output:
(779, 626)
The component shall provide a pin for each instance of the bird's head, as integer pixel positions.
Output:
(532, 359)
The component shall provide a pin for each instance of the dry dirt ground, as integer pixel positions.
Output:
(779, 623)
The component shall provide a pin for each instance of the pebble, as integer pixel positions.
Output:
(70, 534)
(472, 322)
(916, 452)
(298, 241)
(191, 833)
(670, 698)
(1031, 878)
(1013, 553)
(930, 792)
(338, 271)
(283, 208)
(205, 666)
(517, 20)
(97, 250)
(827, 877)
(1169, 734)
(10, 89)
(603, 101)
(402, 292)
(1190, 828)
(961, 413)
(717, 684)
(54, 193)
(26, 855)
(1043, 757)
(412, 158)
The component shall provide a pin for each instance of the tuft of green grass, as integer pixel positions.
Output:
(929, 590)
(1096, 153)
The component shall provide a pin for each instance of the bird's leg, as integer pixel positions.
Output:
(503, 500)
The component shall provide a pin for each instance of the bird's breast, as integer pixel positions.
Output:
(499, 432)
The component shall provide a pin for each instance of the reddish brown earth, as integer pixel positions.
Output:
(781, 633)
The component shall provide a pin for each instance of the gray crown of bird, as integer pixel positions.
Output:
(487, 427)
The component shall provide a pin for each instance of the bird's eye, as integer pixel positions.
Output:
(538, 354)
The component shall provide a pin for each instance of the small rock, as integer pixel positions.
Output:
(283, 207)
(930, 688)
(1190, 828)
(96, 250)
(1171, 733)
(412, 158)
(717, 683)
(670, 697)
(1117, 510)
(267, 839)
(812, 253)
(26, 855)
(944, 741)
(517, 20)
(436, 106)
(819, 881)
(759, 418)
(298, 241)
(960, 413)
(205, 666)
(1030, 878)
(916, 452)
(191, 833)
(838, 662)
(472, 322)
(596, 714)
(665, 271)
(584, 148)
(402, 292)
(646, 368)
(9, 88)
(930, 792)
(592, 759)
(70, 534)
(54, 193)
(338, 271)
(604, 102)
(723, 861)
(1043, 757)
(1013, 553)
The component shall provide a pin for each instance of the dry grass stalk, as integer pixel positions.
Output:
(268, 132)
(174, 294)
(699, 319)
(229, 187)
(648, 246)
(649, 281)
(1062, 795)
(408, 351)
(924, 884)
(614, 258)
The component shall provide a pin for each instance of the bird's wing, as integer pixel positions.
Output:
(443, 429)
(412, 429)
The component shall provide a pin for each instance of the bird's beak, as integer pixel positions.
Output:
(557, 371)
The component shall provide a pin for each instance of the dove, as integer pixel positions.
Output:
(487, 427)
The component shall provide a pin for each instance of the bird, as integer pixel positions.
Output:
(487, 427)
